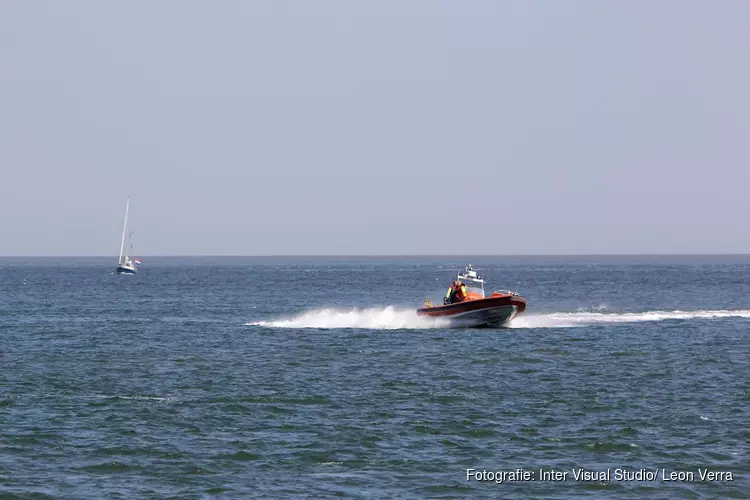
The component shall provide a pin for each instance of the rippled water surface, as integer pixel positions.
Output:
(293, 377)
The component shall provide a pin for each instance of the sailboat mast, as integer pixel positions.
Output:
(124, 227)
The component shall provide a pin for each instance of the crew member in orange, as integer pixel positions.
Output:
(459, 295)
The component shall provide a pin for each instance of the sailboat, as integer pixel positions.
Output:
(126, 265)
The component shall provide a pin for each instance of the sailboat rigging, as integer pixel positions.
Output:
(125, 263)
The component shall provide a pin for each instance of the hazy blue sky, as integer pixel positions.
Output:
(343, 127)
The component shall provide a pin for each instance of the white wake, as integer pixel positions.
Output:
(563, 320)
(390, 318)
(387, 318)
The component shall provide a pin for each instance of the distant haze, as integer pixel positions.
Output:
(388, 127)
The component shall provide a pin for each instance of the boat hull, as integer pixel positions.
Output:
(490, 312)
(125, 270)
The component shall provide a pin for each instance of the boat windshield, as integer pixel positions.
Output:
(474, 290)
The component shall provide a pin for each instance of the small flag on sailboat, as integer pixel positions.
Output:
(138, 262)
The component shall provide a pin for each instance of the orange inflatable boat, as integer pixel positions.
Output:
(475, 309)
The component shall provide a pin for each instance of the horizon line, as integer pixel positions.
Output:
(383, 255)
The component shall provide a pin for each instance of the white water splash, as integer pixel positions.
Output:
(387, 318)
(390, 318)
(563, 320)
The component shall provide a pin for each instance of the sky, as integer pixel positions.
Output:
(279, 127)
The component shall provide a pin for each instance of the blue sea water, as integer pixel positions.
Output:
(313, 377)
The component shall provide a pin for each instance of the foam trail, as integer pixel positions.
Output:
(563, 320)
(387, 318)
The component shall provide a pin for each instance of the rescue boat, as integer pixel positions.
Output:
(477, 310)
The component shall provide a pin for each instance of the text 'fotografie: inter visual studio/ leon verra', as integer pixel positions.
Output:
(605, 475)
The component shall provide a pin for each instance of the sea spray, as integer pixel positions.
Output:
(387, 318)
(391, 318)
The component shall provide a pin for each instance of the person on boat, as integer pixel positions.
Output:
(456, 293)
(460, 294)
(450, 293)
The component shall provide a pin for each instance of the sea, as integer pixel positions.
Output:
(312, 377)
